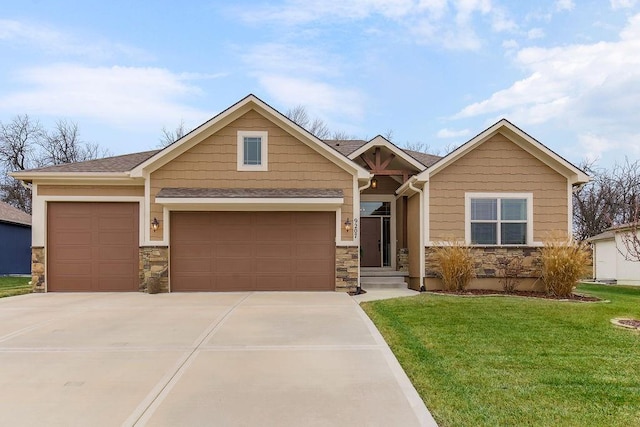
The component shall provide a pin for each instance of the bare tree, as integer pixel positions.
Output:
(25, 144)
(316, 126)
(18, 139)
(63, 145)
(420, 147)
(609, 199)
(170, 136)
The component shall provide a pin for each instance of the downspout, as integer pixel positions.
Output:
(360, 190)
(421, 239)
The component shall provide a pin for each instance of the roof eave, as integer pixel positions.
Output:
(30, 176)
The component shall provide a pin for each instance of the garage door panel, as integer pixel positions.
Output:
(266, 282)
(272, 233)
(234, 282)
(314, 250)
(192, 266)
(196, 250)
(311, 266)
(228, 250)
(257, 250)
(80, 269)
(74, 253)
(273, 250)
(92, 246)
(310, 282)
(233, 265)
(231, 233)
(273, 265)
(312, 234)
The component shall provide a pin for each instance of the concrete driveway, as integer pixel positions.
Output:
(279, 359)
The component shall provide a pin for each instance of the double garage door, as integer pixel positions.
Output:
(94, 247)
(243, 251)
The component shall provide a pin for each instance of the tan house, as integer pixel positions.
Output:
(251, 201)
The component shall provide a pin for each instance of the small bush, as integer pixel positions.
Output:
(454, 265)
(563, 263)
(510, 272)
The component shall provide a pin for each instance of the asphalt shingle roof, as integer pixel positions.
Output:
(10, 214)
(122, 163)
(249, 193)
(127, 162)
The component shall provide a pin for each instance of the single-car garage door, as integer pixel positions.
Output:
(92, 247)
(246, 251)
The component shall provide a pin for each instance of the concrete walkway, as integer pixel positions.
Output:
(268, 359)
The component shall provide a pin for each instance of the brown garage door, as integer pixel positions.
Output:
(92, 247)
(244, 251)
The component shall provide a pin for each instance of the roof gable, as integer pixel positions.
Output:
(380, 141)
(251, 102)
(516, 135)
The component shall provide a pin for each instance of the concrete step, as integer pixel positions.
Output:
(376, 285)
(383, 282)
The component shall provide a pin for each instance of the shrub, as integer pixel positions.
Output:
(563, 263)
(454, 265)
(510, 272)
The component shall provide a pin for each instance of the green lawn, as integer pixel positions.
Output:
(493, 361)
(10, 286)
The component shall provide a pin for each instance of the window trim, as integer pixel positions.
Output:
(264, 144)
(498, 196)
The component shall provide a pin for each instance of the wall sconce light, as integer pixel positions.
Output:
(347, 225)
(374, 183)
(155, 224)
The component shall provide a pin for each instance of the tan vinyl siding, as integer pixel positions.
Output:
(413, 236)
(213, 163)
(497, 165)
(91, 190)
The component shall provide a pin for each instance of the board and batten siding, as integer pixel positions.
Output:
(213, 164)
(91, 190)
(497, 165)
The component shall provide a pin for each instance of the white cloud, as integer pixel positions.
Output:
(294, 75)
(452, 133)
(535, 33)
(595, 145)
(52, 41)
(510, 44)
(125, 96)
(320, 98)
(623, 4)
(451, 24)
(581, 88)
(562, 5)
(288, 58)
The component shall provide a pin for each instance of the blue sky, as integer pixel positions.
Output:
(434, 72)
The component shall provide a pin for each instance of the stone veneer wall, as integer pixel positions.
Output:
(403, 259)
(347, 262)
(154, 269)
(37, 269)
(487, 262)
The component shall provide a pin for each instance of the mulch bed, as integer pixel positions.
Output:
(630, 322)
(529, 294)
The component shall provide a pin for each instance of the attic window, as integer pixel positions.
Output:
(252, 150)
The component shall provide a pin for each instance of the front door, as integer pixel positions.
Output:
(370, 242)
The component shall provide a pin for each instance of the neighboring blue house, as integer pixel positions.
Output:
(15, 241)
